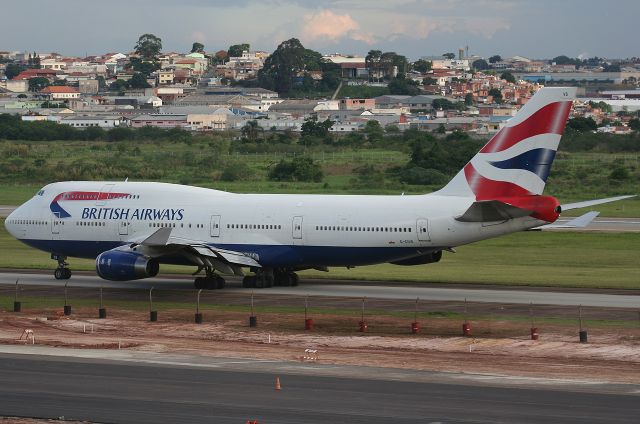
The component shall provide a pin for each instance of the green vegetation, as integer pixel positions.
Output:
(525, 259)
(587, 166)
(594, 260)
(288, 71)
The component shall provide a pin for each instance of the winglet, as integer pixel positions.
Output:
(159, 238)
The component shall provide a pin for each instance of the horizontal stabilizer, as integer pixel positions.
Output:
(580, 222)
(491, 211)
(588, 203)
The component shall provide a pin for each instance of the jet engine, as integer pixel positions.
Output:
(429, 258)
(117, 265)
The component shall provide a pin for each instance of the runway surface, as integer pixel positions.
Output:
(619, 225)
(334, 288)
(138, 387)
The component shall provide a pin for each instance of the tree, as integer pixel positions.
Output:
(138, 80)
(403, 86)
(145, 67)
(372, 61)
(373, 130)
(581, 124)
(496, 94)
(197, 48)
(237, 49)
(148, 46)
(313, 128)
(634, 124)
(38, 83)
(118, 85)
(468, 99)
(251, 130)
(12, 70)
(422, 65)
(449, 56)
(611, 67)
(102, 84)
(508, 76)
(283, 67)
(299, 169)
(480, 65)
(429, 81)
(495, 58)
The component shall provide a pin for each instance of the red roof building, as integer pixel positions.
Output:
(60, 92)
(34, 73)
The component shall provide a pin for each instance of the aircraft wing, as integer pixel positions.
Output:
(588, 203)
(161, 243)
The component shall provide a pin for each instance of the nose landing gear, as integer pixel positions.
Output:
(62, 272)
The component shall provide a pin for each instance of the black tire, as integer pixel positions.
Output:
(248, 282)
(260, 281)
(269, 280)
(210, 283)
(66, 273)
(198, 283)
(295, 280)
(220, 283)
(58, 274)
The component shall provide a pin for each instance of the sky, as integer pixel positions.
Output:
(536, 29)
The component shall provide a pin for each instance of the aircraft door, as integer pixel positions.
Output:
(103, 196)
(55, 223)
(123, 228)
(423, 230)
(215, 226)
(297, 228)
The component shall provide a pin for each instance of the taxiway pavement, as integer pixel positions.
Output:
(140, 387)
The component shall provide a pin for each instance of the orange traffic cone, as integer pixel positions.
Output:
(277, 383)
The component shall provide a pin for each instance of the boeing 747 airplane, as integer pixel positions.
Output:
(130, 228)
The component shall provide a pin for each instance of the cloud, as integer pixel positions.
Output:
(329, 26)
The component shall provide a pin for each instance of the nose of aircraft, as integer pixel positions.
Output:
(9, 224)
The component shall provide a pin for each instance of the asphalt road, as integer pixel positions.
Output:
(335, 288)
(234, 391)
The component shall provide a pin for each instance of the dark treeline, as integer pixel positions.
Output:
(12, 127)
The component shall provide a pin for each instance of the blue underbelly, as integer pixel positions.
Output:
(267, 255)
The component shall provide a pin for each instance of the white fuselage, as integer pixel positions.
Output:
(83, 219)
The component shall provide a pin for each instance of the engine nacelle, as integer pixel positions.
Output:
(117, 265)
(429, 258)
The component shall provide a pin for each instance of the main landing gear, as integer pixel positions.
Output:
(270, 278)
(211, 282)
(62, 272)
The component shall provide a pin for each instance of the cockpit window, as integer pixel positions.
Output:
(40, 193)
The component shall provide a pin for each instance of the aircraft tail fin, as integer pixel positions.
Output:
(517, 160)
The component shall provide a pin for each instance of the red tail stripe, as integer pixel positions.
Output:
(549, 119)
(486, 189)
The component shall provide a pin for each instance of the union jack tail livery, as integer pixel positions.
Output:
(517, 160)
(514, 165)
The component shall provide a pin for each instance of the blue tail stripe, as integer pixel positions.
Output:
(537, 161)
